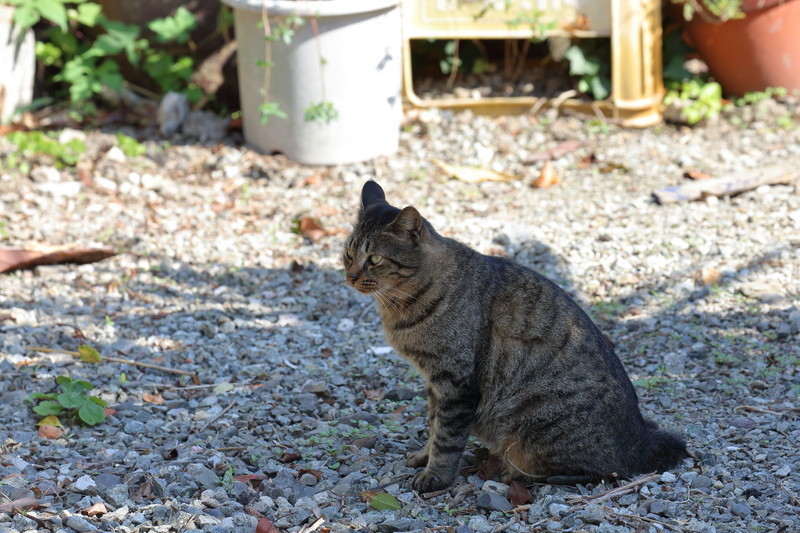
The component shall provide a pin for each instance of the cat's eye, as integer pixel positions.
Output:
(375, 259)
(348, 255)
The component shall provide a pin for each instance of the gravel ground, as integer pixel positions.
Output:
(301, 410)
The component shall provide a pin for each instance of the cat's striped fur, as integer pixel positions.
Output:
(505, 353)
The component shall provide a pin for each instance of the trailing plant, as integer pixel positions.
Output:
(284, 31)
(72, 402)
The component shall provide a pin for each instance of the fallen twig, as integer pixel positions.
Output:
(618, 491)
(726, 186)
(228, 408)
(792, 496)
(312, 526)
(755, 410)
(193, 375)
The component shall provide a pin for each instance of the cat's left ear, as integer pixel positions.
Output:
(371, 193)
(408, 223)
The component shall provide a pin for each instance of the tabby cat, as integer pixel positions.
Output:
(506, 355)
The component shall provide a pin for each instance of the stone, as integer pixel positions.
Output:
(80, 524)
(399, 394)
(492, 501)
(593, 514)
(84, 483)
(308, 479)
(767, 290)
(783, 471)
(794, 322)
(701, 482)
(203, 476)
(740, 509)
(668, 477)
(658, 507)
(401, 524)
(496, 486)
(479, 524)
(45, 174)
(558, 509)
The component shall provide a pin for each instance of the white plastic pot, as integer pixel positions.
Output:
(347, 52)
(17, 65)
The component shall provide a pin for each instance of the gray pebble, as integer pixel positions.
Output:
(492, 501)
(80, 524)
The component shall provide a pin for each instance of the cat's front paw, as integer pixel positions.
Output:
(427, 481)
(417, 459)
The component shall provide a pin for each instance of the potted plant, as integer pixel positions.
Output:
(748, 45)
(319, 81)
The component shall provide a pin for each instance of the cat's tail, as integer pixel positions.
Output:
(663, 449)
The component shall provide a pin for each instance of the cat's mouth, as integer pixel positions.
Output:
(363, 286)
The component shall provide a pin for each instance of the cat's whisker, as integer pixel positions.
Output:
(390, 301)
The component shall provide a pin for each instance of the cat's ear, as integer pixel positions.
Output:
(407, 223)
(371, 193)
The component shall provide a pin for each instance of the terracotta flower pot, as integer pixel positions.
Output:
(755, 52)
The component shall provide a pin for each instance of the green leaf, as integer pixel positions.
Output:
(71, 400)
(108, 74)
(270, 109)
(48, 408)
(89, 14)
(600, 88)
(40, 396)
(98, 401)
(89, 354)
(85, 385)
(54, 11)
(383, 501)
(92, 413)
(61, 380)
(579, 64)
(25, 16)
(174, 28)
(50, 420)
(119, 37)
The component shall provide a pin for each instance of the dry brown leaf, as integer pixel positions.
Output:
(316, 473)
(696, 175)
(96, 509)
(519, 494)
(290, 457)
(265, 525)
(311, 229)
(547, 177)
(156, 398)
(244, 478)
(473, 174)
(208, 75)
(708, 276)
(581, 23)
(314, 179)
(50, 432)
(109, 411)
(12, 259)
(22, 504)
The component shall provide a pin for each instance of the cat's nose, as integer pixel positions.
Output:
(352, 277)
